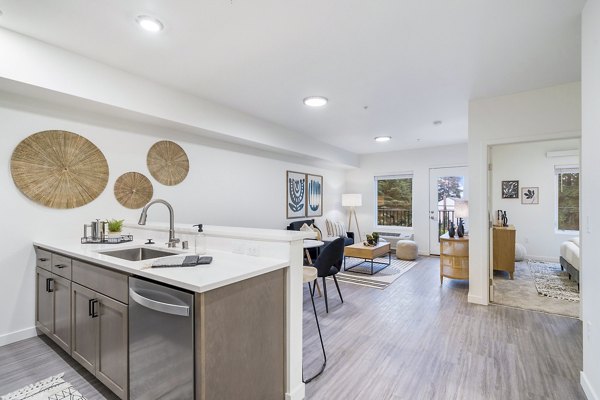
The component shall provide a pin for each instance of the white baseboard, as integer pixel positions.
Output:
(12, 337)
(297, 394)
(587, 388)
(476, 300)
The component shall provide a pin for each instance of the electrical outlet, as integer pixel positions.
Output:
(526, 240)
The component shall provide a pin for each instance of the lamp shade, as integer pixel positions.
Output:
(352, 200)
(461, 208)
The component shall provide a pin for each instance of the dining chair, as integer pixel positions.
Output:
(329, 263)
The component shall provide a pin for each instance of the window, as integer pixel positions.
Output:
(394, 200)
(567, 198)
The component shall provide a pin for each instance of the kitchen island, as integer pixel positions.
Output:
(247, 311)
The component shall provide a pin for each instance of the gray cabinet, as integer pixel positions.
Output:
(82, 307)
(100, 337)
(53, 307)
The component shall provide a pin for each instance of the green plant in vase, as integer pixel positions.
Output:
(115, 226)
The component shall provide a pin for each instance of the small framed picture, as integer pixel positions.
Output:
(530, 195)
(295, 198)
(314, 195)
(510, 189)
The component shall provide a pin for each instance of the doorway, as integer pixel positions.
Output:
(446, 185)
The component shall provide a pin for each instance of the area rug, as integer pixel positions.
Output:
(53, 388)
(551, 281)
(381, 279)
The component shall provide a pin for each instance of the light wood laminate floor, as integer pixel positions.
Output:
(414, 340)
(419, 340)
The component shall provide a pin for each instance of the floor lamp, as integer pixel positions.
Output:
(352, 200)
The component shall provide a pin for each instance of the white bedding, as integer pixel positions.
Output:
(569, 250)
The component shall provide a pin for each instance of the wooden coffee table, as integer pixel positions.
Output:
(368, 253)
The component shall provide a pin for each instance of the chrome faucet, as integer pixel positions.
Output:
(172, 241)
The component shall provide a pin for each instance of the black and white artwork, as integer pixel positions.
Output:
(295, 194)
(530, 195)
(314, 198)
(510, 189)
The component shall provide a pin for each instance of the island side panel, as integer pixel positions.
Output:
(240, 340)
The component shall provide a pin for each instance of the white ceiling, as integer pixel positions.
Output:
(410, 61)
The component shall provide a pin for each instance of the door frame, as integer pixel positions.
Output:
(432, 192)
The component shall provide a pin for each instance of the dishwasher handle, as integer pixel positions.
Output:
(159, 306)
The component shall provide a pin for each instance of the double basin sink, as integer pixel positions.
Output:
(138, 253)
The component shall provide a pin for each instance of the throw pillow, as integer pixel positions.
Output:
(307, 228)
(317, 231)
(329, 227)
(340, 230)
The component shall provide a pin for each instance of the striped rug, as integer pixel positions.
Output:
(381, 279)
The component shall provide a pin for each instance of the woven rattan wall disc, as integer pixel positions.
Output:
(59, 169)
(133, 190)
(168, 162)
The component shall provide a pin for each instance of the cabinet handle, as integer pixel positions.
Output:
(94, 311)
(49, 285)
(59, 265)
(43, 259)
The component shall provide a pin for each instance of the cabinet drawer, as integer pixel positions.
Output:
(42, 258)
(105, 281)
(61, 265)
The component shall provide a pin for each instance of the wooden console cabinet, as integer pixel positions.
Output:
(503, 244)
(454, 257)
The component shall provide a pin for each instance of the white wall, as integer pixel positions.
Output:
(222, 188)
(590, 193)
(527, 163)
(548, 113)
(418, 162)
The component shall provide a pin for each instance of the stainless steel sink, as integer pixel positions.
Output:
(138, 253)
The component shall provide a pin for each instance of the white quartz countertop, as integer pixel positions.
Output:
(226, 267)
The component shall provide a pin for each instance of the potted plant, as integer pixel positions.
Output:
(115, 226)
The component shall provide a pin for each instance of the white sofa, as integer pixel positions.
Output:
(569, 258)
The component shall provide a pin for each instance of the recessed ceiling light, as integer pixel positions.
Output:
(315, 101)
(149, 24)
(383, 138)
(438, 122)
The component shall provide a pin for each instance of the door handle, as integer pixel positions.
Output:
(159, 306)
(49, 285)
(92, 308)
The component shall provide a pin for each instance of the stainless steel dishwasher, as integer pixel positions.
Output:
(161, 342)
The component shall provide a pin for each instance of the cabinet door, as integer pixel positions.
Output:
(84, 326)
(62, 312)
(44, 301)
(112, 366)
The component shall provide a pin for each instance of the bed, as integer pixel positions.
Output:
(569, 258)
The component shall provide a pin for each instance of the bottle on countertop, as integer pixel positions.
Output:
(200, 240)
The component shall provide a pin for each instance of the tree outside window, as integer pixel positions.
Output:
(567, 199)
(394, 201)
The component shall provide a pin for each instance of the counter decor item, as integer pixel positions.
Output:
(460, 228)
(115, 226)
(295, 194)
(452, 230)
(168, 163)
(59, 169)
(133, 190)
(314, 199)
(372, 239)
(510, 189)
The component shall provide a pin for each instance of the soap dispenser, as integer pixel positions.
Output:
(200, 240)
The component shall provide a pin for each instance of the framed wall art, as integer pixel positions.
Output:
(295, 198)
(530, 195)
(510, 189)
(314, 195)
